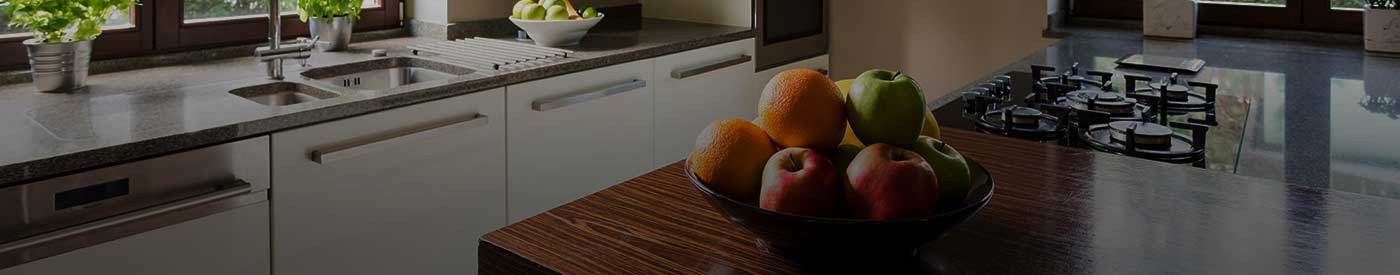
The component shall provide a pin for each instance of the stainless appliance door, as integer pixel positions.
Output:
(790, 31)
(116, 227)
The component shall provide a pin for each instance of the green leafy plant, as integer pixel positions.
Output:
(61, 21)
(327, 9)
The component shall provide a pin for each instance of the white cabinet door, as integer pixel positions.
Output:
(402, 191)
(820, 63)
(696, 87)
(576, 134)
(234, 242)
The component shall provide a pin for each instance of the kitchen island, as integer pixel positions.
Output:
(1055, 210)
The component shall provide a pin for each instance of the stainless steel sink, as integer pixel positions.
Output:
(386, 73)
(282, 93)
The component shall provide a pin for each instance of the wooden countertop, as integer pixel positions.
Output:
(1056, 210)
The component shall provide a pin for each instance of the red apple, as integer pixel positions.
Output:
(889, 183)
(800, 181)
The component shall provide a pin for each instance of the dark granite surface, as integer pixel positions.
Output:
(138, 114)
(1319, 114)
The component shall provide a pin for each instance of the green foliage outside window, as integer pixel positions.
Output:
(62, 21)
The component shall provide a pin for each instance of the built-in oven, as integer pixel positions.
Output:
(790, 31)
(203, 211)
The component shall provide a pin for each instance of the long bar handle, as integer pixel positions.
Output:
(239, 188)
(438, 129)
(571, 99)
(684, 73)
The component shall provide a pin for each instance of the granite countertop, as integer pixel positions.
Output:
(1319, 114)
(138, 114)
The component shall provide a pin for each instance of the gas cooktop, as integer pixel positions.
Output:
(1166, 119)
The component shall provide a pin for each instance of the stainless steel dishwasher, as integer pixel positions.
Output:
(203, 211)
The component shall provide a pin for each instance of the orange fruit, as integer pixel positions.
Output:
(803, 108)
(729, 157)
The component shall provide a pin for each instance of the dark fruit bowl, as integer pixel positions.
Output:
(845, 242)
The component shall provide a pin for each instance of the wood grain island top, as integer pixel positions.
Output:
(1056, 210)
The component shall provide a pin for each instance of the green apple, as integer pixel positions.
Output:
(589, 12)
(954, 176)
(532, 12)
(515, 11)
(886, 107)
(551, 3)
(557, 13)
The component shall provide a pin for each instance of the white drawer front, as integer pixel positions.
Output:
(402, 191)
(572, 135)
(696, 87)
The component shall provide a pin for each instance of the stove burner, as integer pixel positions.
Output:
(1047, 89)
(1021, 122)
(1145, 134)
(1148, 140)
(1180, 98)
(1118, 106)
(1026, 117)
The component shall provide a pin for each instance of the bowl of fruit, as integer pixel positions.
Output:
(848, 174)
(553, 23)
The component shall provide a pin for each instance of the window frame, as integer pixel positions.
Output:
(160, 28)
(1306, 15)
(111, 44)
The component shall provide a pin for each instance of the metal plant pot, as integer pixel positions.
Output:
(59, 67)
(334, 33)
(1382, 30)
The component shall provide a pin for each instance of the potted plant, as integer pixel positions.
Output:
(331, 21)
(63, 32)
(1169, 18)
(1383, 26)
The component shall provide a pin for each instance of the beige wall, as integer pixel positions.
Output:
(944, 44)
(722, 12)
(447, 11)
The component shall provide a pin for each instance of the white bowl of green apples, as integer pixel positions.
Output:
(551, 23)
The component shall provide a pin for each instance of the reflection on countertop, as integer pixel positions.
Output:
(1322, 115)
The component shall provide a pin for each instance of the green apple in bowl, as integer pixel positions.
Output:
(532, 12)
(551, 3)
(588, 13)
(886, 107)
(557, 13)
(954, 175)
(519, 5)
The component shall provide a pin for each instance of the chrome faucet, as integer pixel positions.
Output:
(275, 52)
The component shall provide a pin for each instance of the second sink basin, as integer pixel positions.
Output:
(282, 93)
(386, 73)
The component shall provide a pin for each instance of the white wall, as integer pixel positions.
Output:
(722, 12)
(944, 44)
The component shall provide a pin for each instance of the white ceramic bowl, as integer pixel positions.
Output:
(558, 32)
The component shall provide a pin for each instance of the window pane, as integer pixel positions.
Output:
(1279, 3)
(1349, 4)
(214, 10)
(117, 21)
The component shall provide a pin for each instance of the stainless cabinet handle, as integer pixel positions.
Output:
(576, 98)
(240, 188)
(684, 73)
(417, 134)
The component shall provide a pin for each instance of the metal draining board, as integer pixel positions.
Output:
(485, 54)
